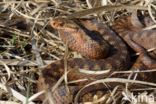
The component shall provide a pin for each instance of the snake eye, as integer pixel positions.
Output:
(53, 23)
(57, 24)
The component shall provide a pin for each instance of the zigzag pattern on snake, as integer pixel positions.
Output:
(116, 60)
(70, 32)
(137, 38)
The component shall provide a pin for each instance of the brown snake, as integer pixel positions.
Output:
(88, 32)
(137, 38)
(83, 35)
(117, 58)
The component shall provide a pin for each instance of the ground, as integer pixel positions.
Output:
(28, 43)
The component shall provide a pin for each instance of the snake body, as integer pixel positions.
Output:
(113, 55)
(116, 60)
(84, 36)
(146, 38)
(141, 38)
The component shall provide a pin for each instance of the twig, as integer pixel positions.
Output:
(104, 8)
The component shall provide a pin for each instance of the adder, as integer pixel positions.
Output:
(86, 36)
(70, 32)
(75, 32)
(132, 31)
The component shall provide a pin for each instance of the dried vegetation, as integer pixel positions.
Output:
(28, 43)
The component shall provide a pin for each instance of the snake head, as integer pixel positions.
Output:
(80, 37)
(63, 24)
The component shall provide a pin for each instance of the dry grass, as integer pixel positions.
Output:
(28, 43)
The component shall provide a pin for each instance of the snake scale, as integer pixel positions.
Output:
(136, 37)
(117, 59)
(114, 52)
(78, 32)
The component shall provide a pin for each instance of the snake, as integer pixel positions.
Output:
(132, 31)
(86, 36)
(70, 32)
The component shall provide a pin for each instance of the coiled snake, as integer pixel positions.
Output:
(102, 47)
